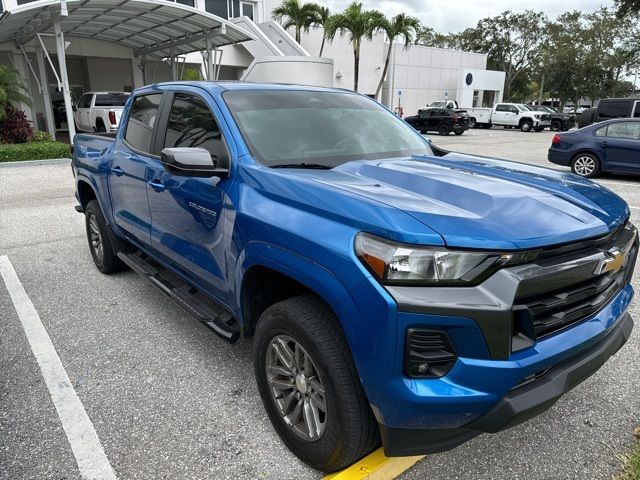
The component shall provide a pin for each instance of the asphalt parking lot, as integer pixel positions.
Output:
(169, 400)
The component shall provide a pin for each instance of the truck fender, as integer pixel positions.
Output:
(327, 286)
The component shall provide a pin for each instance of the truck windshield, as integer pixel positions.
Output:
(320, 129)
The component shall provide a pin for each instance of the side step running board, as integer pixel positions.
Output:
(218, 320)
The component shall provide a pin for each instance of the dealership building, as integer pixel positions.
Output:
(65, 48)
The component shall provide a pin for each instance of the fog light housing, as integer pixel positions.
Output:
(429, 353)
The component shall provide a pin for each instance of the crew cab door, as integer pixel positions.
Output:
(189, 213)
(130, 163)
(505, 114)
(83, 112)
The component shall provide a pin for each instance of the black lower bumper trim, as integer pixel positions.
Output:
(519, 405)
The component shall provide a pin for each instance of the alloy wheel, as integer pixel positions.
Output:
(584, 166)
(96, 238)
(296, 388)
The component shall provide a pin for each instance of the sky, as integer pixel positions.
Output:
(452, 16)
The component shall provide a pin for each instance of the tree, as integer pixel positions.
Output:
(428, 37)
(292, 13)
(627, 7)
(12, 89)
(357, 24)
(403, 26)
(323, 17)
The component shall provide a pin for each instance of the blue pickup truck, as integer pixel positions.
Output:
(394, 292)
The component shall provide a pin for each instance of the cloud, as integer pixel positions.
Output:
(452, 17)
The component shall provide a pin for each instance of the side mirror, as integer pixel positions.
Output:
(193, 162)
(74, 108)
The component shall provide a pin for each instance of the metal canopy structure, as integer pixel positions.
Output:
(155, 28)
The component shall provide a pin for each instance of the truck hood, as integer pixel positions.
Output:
(476, 202)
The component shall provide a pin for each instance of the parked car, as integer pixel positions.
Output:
(99, 111)
(558, 121)
(389, 293)
(609, 108)
(452, 104)
(441, 120)
(612, 146)
(509, 115)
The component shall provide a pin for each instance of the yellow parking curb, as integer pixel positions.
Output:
(376, 466)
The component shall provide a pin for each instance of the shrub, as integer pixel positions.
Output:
(33, 151)
(14, 127)
(40, 136)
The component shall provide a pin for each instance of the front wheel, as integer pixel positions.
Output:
(309, 385)
(586, 165)
(526, 126)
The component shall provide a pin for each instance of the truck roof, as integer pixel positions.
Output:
(238, 85)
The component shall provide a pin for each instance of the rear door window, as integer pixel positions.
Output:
(628, 130)
(85, 101)
(502, 108)
(142, 119)
(613, 108)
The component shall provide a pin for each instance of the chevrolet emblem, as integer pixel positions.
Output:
(612, 262)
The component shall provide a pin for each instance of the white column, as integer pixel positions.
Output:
(391, 78)
(174, 64)
(64, 77)
(210, 60)
(48, 108)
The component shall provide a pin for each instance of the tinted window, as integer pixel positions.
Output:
(502, 108)
(328, 128)
(636, 110)
(191, 124)
(111, 99)
(613, 109)
(144, 110)
(624, 130)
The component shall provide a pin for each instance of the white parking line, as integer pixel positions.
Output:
(86, 447)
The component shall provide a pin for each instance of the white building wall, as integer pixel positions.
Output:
(425, 74)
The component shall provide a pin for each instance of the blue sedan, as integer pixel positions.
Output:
(612, 146)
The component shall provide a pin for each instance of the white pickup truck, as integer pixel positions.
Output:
(509, 115)
(99, 111)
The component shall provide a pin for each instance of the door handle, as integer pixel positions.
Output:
(156, 185)
(118, 171)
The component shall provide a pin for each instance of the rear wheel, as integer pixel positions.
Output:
(444, 129)
(309, 385)
(472, 122)
(586, 165)
(100, 128)
(556, 125)
(104, 255)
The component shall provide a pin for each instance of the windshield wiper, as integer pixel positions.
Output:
(302, 165)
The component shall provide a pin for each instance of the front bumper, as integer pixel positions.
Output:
(520, 404)
(522, 338)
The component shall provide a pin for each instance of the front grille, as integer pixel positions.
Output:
(429, 353)
(554, 310)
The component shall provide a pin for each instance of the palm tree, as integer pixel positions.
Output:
(292, 13)
(323, 17)
(399, 26)
(12, 89)
(358, 24)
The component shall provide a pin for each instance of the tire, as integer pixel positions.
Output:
(556, 125)
(444, 129)
(100, 128)
(99, 237)
(472, 123)
(586, 165)
(539, 129)
(459, 132)
(526, 125)
(307, 325)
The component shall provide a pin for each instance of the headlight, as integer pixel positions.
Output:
(537, 115)
(400, 264)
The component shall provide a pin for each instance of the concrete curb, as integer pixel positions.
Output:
(26, 163)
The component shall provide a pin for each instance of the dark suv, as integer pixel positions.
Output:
(559, 121)
(609, 108)
(441, 120)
